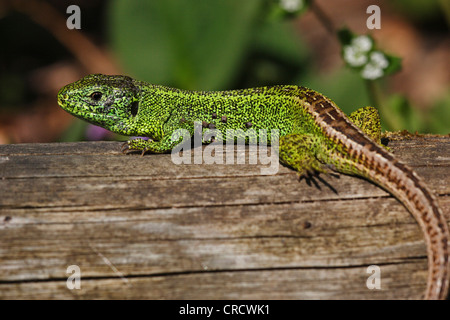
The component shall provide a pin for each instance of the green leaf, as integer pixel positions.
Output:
(438, 118)
(403, 114)
(345, 36)
(189, 44)
(395, 64)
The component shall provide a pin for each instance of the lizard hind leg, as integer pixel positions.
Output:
(298, 152)
(368, 120)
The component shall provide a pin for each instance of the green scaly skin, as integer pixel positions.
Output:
(314, 136)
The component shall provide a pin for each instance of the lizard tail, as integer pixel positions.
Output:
(364, 157)
(381, 167)
(409, 188)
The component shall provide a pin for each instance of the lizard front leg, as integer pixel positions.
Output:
(298, 152)
(165, 145)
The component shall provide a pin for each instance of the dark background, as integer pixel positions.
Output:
(216, 45)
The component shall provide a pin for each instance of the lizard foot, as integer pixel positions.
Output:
(137, 144)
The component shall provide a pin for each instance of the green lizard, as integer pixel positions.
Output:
(314, 136)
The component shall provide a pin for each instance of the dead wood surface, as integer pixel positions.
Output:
(146, 228)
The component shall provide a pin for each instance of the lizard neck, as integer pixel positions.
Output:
(361, 156)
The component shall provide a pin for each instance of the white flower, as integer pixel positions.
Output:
(354, 57)
(291, 5)
(355, 54)
(379, 59)
(371, 72)
(374, 69)
(358, 54)
(362, 43)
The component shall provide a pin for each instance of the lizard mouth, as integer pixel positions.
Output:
(64, 99)
(61, 101)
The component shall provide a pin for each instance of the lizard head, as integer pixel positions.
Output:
(107, 101)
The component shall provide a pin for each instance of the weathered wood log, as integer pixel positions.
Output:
(145, 228)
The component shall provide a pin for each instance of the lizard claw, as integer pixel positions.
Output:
(125, 148)
(137, 144)
(143, 151)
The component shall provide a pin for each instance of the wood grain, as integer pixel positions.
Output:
(145, 228)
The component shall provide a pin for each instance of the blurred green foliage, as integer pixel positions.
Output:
(422, 11)
(212, 45)
(203, 44)
(226, 44)
(218, 45)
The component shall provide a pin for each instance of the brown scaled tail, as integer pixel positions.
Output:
(408, 188)
(381, 167)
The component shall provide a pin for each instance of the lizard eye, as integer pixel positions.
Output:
(96, 96)
(134, 108)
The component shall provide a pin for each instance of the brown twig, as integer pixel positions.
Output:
(322, 17)
(93, 59)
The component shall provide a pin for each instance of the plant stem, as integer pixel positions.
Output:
(323, 17)
(391, 121)
(445, 6)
